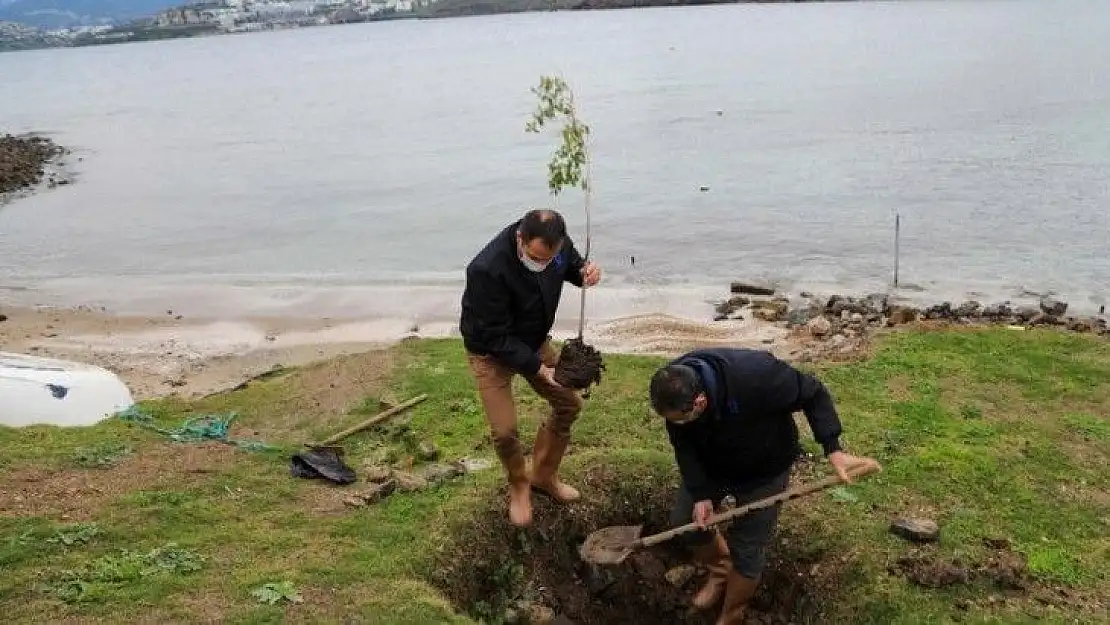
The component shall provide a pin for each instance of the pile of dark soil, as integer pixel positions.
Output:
(1003, 569)
(23, 160)
(499, 574)
(580, 365)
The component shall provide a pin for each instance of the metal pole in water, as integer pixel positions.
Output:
(897, 236)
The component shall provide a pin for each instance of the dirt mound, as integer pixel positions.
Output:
(499, 574)
(1003, 569)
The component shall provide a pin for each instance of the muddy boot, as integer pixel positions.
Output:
(546, 456)
(715, 557)
(739, 593)
(520, 496)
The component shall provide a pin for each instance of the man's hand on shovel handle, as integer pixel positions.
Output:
(843, 463)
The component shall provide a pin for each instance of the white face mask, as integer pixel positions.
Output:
(532, 265)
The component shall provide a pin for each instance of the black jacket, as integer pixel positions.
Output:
(747, 435)
(508, 310)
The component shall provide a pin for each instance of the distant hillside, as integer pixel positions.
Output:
(69, 13)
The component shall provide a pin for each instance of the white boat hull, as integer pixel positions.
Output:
(47, 391)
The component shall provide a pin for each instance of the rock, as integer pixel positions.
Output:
(3, 318)
(918, 530)
(428, 451)
(354, 502)
(1025, 314)
(378, 492)
(732, 304)
(1054, 307)
(751, 289)
(968, 310)
(439, 472)
(819, 327)
(856, 319)
(408, 483)
(679, 575)
(876, 304)
(1082, 325)
(996, 312)
(901, 315)
(801, 316)
(473, 465)
(377, 473)
(837, 304)
(766, 314)
(939, 311)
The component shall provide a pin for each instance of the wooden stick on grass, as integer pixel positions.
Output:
(371, 422)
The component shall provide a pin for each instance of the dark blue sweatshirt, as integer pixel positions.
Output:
(747, 434)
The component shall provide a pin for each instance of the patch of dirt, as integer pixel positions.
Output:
(899, 388)
(77, 494)
(1003, 569)
(579, 366)
(322, 394)
(492, 570)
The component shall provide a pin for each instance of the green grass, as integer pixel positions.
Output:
(993, 433)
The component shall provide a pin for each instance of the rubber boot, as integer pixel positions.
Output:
(546, 456)
(737, 596)
(520, 496)
(715, 557)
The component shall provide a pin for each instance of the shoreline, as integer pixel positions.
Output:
(181, 354)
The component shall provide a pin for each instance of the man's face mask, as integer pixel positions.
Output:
(536, 256)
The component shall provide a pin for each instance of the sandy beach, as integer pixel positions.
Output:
(171, 354)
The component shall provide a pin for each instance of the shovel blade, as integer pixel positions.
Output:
(610, 545)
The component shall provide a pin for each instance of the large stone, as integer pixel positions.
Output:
(374, 473)
(917, 530)
(751, 289)
(439, 472)
(732, 305)
(1054, 307)
(902, 314)
(1025, 314)
(819, 327)
(408, 483)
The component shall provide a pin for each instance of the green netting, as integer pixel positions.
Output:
(211, 427)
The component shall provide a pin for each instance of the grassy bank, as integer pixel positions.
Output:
(1001, 436)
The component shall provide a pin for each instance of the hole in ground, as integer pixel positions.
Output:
(498, 574)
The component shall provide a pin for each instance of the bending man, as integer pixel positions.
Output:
(729, 417)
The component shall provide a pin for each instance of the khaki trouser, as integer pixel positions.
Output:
(495, 388)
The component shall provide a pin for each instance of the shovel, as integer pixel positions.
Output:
(611, 545)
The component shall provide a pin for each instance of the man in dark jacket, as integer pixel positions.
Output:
(729, 417)
(513, 287)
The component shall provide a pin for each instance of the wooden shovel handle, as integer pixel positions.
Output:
(793, 493)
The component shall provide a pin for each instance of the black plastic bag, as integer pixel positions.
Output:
(322, 463)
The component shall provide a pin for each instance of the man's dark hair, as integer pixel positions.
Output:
(673, 389)
(544, 224)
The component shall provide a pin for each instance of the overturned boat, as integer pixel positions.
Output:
(47, 391)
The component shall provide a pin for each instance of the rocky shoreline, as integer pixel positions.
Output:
(842, 324)
(25, 163)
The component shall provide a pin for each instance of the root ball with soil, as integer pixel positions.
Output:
(579, 366)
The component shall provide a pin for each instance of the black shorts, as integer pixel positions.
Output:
(748, 536)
